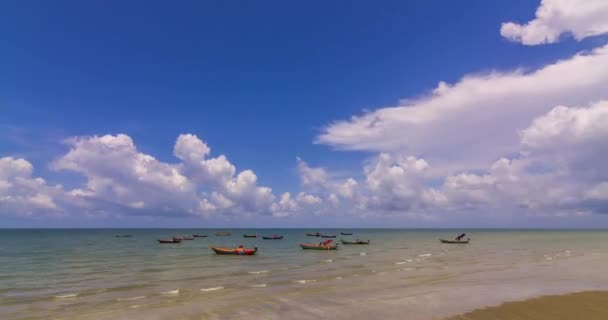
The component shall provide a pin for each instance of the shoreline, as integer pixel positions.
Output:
(589, 305)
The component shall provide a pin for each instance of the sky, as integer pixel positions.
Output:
(307, 114)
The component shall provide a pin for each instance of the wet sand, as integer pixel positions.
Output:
(588, 305)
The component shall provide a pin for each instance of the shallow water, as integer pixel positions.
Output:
(92, 274)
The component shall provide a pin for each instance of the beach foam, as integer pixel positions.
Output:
(130, 299)
(304, 281)
(172, 292)
(211, 289)
(258, 272)
(65, 296)
(262, 285)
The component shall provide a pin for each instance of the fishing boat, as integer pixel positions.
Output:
(312, 246)
(199, 235)
(354, 242)
(223, 233)
(313, 234)
(235, 251)
(123, 235)
(250, 236)
(275, 237)
(187, 238)
(171, 240)
(346, 234)
(455, 241)
(328, 236)
(178, 238)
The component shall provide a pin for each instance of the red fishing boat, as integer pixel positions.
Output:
(235, 251)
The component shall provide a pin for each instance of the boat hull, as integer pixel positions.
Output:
(232, 251)
(328, 236)
(199, 235)
(354, 242)
(249, 236)
(272, 238)
(169, 240)
(454, 241)
(310, 246)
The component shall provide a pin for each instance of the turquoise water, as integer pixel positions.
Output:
(92, 274)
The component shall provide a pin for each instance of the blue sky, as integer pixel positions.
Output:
(258, 82)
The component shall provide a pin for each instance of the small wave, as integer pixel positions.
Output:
(409, 260)
(304, 281)
(407, 269)
(68, 295)
(262, 285)
(211, 289)
(425, 255)
(363, 253)
(401, 262)
(328, 261)
(130, 299)
(171, 292)
(339, 278)
(258, 272)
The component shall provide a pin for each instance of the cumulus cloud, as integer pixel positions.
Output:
(22, 194)
(119, 175)
(473, 122)
(554, 18)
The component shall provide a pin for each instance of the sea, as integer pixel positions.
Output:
(92, 274)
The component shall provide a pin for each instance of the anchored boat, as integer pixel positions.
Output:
(311, 246)
(235, 251)
(354, 242)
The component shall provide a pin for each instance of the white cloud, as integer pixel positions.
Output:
(470, 124)
(119, 175)
(554, 18)
(311, 177)
(22, 194)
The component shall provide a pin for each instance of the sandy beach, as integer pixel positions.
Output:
(589, 305)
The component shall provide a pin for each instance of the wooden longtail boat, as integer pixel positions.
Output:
(273, 238)
(312, 246)
(355, 242)
(313, 234)
(172, 240)
(223, 233)
(250, 236)
(123, 235)
(199, 235)
(455, 241)
(328, 236)
(235, 251)
(346, 234)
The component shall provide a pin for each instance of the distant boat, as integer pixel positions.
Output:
(234, 251)
(328, 236)
(455, 241)
(250, 236)
(355, 242)
(178, 238)
(275, 237)
(346, 234)
(311, 246)
(187, 238)
(172, 240)
(123, 235)
(313, 234)
(223, 233)
(199, 235)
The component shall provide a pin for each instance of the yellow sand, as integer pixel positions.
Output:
(588, 305)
